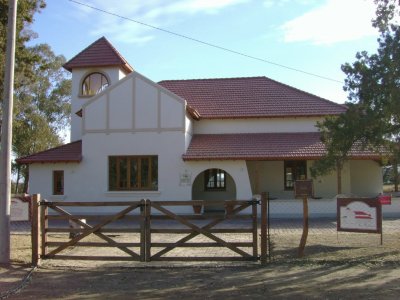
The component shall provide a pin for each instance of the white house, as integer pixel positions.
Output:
(229, 138)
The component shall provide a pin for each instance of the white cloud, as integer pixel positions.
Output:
(158, 13)
(335, 21)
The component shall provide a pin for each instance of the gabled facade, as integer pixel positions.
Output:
(204, 139)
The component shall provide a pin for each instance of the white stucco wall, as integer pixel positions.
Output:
(88, 180)
(41, 180)
(113, 74)
(133, 117)
(258, 125)
(326, 186)
(268, 176)
(188, 130)
(168, 146)
(366, 178)
(135, 104)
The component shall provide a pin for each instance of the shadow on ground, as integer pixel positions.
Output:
(307, 281)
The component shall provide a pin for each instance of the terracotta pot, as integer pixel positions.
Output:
(197, 209)
(229, 208)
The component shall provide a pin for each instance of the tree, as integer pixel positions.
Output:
(42, 88)
(373, 85)
(25, 11)
(42, 107)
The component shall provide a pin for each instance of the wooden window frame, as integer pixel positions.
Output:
(214, 174)
(116, 186)
(294, 165)
(104, 82)
(58, 182)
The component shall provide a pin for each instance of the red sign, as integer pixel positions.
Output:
(385, 199)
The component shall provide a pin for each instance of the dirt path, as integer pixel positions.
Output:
(276, 281)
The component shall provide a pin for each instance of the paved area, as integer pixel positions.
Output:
(277, 226)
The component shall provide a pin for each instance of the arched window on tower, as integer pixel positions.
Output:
(94, 83)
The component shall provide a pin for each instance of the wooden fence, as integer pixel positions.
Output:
(143, 221)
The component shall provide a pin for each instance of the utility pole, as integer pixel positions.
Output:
(6, 136)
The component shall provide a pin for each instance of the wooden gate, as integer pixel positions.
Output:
(204, 225)
(41, 229)
(153, 221)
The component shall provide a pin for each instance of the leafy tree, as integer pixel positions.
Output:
(42, 110)
(26, 9)
(373, 85)
(42, 88)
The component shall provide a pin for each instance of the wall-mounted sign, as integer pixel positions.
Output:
(185, 178)
(303, 188)
(359, 215)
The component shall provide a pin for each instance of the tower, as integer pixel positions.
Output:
(93, 70)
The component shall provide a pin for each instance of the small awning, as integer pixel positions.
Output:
(71, 152)
(262, 146)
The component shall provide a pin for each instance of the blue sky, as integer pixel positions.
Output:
(315, 36)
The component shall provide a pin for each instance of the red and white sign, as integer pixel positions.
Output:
(359, 215)
(385, 199)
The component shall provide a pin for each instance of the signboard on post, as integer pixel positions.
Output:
(359, 215)
(303, 188)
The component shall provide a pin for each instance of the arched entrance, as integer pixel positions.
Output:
(214, 184)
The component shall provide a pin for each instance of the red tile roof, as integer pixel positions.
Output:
(99, 54)
(71, 152)
(241, 146)
(249, 97)
(261, 146)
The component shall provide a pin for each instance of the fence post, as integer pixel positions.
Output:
(143, 230)
(263, 257)
(44, 224)
(35, 229)
(303, 240)
(255, 229)
(148, 230)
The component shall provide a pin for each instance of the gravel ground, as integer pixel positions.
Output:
(335, 266)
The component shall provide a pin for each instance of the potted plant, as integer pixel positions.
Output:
(229, 207)
(197, 208)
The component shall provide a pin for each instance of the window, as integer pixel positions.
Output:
(294, 170)
(93, 84)
(215, 180)
(130, 173)
(58, 182)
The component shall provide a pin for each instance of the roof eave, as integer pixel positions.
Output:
(47, 161)
(125, 67)
(213, 117)
(272, 158)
